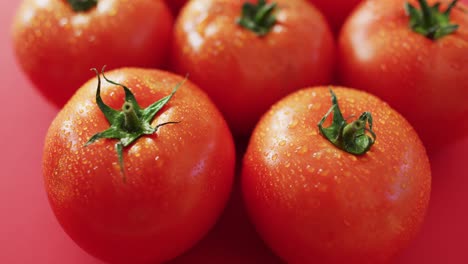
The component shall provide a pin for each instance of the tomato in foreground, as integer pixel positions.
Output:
(247, 55)
(57, 41)
(336, 11)
(313, 201)
(171, 182)
(420, 68)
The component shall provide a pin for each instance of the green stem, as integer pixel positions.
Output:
(131, 121)
(351, 131)
(258, 18)
(351, 137)
(430, 21)
(82, 5)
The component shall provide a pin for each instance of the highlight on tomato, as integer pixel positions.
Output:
(57, 41)
(248, 54)
(345, 180)
(138, 166)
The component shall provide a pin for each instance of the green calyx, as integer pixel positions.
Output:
(82, 5)
(351, 137)
(430, 21)
(258, 18)
(131, 122)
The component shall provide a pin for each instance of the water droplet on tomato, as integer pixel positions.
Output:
(455, 66)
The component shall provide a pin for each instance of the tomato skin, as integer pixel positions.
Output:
(336, 11)
(243, 73)
(424, 80)
(313, 203)
(56, 46)
(182, 173)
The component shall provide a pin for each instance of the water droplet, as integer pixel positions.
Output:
(346, 223)
(293, 123)
(455, 66)
(287, 164)
(310, 169)
(282, 142)
(274, 157)
(302, 150)
(405, 45)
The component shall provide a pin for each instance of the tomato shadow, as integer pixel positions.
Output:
(233, 239)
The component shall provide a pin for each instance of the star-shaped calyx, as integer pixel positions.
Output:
(351, 137)
(430, 21)
(131, 122)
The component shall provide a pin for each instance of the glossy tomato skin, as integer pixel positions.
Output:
(56, 46)
(314, 203)
(177, 180)
(424, 80)
(243, 73)
(335, 11)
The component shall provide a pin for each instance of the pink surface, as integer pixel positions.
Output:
(29, 232)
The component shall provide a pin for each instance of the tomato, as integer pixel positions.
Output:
(175, 5)
(424, 79)
(336, 11)
(165, 190)
(312, 202)
(443, 235)
(56, 45)
(245, 70)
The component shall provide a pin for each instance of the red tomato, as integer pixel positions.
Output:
(245, 70)
(336, 11)
(443, 235)
(56, 46)
(314, 203)
(425, 80)
(176, 181)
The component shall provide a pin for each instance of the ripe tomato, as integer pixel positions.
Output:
(244, 71)
(56, 45)
(336, 11)
(314, 203)
(424, 79)
(175, 182)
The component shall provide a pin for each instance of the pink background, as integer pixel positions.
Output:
(29, 232)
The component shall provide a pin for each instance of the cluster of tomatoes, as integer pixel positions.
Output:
(140, 161)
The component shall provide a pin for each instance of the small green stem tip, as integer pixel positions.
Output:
(82, 5)
(430, 21)
(258, 18)
(351, 137)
